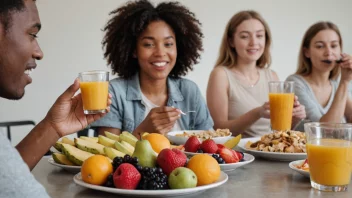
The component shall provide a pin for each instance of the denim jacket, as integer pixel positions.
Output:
(127, 110)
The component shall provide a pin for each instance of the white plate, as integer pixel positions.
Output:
(152, 193)
(248, 158)
(178, 140)
(72, 169)
(293, 165)
(270, 155)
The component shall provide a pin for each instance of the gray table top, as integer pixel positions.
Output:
(261, 178)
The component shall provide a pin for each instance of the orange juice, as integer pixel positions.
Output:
(330, 161)
(94, 95)
(281, 106)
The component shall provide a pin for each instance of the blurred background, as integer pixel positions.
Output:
(71, 41)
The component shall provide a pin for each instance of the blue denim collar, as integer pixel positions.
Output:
(134, 90)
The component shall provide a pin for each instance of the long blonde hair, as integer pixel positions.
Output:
(304, 63)
(227, 54)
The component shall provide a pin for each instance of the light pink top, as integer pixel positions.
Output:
(243, 98)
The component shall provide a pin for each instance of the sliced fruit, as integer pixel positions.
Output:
(228, 156)
(91, 139)
(112, 153)
(74, 154)
(66, 140)
(90, 147)
(112, 136)
(106, 141)
(58, 146)
(125, 147)
(144, 135)
(129, 138)
(233, 142)
(128, 146)
(61, 159)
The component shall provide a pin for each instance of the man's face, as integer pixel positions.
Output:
(18, 51)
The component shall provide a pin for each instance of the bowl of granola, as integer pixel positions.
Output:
(220, 136)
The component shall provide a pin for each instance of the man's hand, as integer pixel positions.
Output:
(66, 116)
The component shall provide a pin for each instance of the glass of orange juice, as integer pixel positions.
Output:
(281, 98)
(94, 89)
(329, 149)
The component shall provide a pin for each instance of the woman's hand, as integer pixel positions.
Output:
(159, 120)
(346, 68)
(298, 112)
(264, 110)
(66, 116)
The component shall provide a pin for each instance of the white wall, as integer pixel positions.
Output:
(71, 41)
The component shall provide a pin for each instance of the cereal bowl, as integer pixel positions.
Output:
(180, 137)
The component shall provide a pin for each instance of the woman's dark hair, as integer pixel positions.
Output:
(6, 8)
(130, 20)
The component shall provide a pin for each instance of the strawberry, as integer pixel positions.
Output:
(192, 144)
(220, 146)
(209, 146)
(170, 159)
(228, 156)
(126, 176)
(240, 155)
(236, 155)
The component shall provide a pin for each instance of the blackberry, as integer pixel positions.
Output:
(200, 151)
(152, 179)
(126, 159)
(110, 181)
(117, 162)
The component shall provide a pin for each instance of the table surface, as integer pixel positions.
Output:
(260, 178)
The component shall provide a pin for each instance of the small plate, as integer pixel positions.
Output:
(270, 155)
(72, 169)
(293, 165)
(178, 140)
(152, 193)
(248, 158)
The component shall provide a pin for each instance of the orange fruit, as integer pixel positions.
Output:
(205, 167)
(158, 141)
(96, 169)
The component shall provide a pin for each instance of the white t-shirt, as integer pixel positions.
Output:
(149, 106)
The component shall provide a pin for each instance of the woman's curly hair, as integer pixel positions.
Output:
(129, 21)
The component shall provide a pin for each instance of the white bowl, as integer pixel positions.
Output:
(178, 140)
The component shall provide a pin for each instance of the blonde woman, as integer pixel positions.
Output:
(237, 93)
(319, 65)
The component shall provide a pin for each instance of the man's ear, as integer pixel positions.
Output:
(306, 52)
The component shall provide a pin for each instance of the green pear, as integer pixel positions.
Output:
(145, 154)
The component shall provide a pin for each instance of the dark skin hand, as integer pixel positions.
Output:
(65, 117)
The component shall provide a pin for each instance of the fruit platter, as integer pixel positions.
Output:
(224, 154)
(72, 153)
(131, 167)
(220, 136)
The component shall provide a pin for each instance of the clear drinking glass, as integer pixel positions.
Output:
(281, 98)
(94, 89)
(329, 149)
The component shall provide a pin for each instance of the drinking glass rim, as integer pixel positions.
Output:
(328, 125)
(93, 72)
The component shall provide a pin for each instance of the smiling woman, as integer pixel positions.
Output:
(320, 63)
(150, 48)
